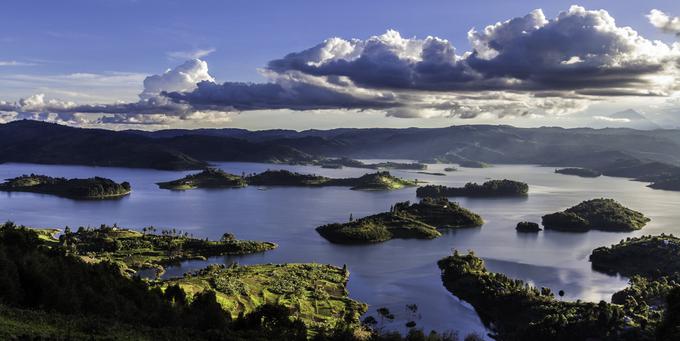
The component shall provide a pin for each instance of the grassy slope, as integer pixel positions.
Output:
(315, 292)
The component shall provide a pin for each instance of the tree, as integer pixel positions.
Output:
(226, 237)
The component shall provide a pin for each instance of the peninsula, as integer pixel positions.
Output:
(142, 250)
(647, 256)
(315, 293)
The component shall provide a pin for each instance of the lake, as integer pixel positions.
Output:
(390, 274)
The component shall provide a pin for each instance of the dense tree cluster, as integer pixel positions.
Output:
(491, 188)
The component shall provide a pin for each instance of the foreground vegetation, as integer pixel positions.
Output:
(514, 310)
(209, 178)
(92, 188)
(141, 250)
(491, 188)
(404, 220)
(599, 214)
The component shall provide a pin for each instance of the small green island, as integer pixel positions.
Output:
(208, 178)
(450, 169)
(473, 164)
(527, 226)
(315, 293)
(86, 189)
(213, 178)
(647, 256)
(516, 310)
(146, 250)
(582, 172)
(491, 188)
(404, 220)
(596, 214)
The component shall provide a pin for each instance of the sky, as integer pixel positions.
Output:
(318, 64)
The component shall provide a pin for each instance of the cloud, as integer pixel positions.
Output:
(612, 119)
(528, 66)
(664, 22)
(15, 63)
(193, 54)
(180, 79)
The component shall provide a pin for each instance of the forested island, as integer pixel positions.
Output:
(373, 181)
(209, 178)
(598, 214)
(92, 188)
(515, 310)
(213, 178)
(491, 188)
(582, 172)
(473, 164)
(527, 226)
(404, 220)
(647, 256)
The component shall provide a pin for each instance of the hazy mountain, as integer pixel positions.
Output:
(626, 119)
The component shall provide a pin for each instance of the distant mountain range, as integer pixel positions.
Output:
(618, 152)
(626, 119)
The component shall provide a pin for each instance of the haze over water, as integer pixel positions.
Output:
(391, 274)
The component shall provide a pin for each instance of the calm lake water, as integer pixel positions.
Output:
(390, 274)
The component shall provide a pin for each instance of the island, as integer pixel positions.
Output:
(374, 181)
(450, 169)
(599, 214)
(315, 293)
(347, 162)
(92, 188)
(527, 226)
(582, 172)
(491, 188)
(647, 256)
(209, 178)
(473, 164)
(516, 310)
(136, 250)
(404, 220)
(432, 173)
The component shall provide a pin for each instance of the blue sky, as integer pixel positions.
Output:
(128, 40)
